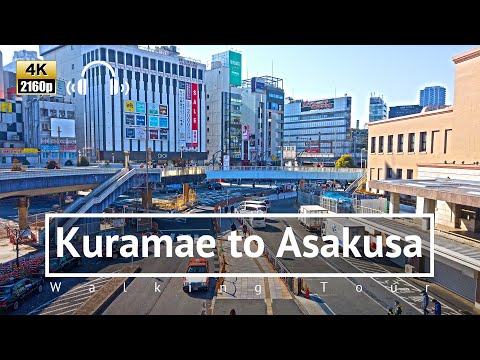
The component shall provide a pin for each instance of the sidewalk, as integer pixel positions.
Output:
(8, 251)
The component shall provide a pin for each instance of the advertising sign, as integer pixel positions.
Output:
(188, 115)
(235, 65)
(258, 85)
(181, 112)
(129, 106)
(163, 110)
(140, 134)
(19, 151)
(140, 107)
(163, 134)
(245, 132)
(49, 147)
(195, 116)
(153, 121)
(129, 119)
(318, 104)
(140, 120)
(6, 107)
(153, 109)
(130, 133)
(226, 162)
(163, 122)
(61, 90)
(153, 134)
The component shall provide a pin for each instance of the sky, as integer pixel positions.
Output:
(311, 72)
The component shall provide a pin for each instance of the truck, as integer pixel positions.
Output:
(334, 226)
(311, 223)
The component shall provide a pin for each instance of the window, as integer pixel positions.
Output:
(194, 73)
(380, 144)
(208, 96)
(111, 55)
(70, 114)
(200, 74)
(175, 69)
(400, 143)
(53, 113)
(103, 54)
(43, 112)
(208, 130)
(153, 64)
(160, 65)
(137, 61)
(390, 144)
(399, 173)
(145, 63)
(208, 107)
(208, 118)
(167, 68)
(181, 70)
(61, 113)
(96, 54)
(423, 141)
(433, 149)
(129, 59)
(372, 172)
(372, 144)
(389, 173)
(121, 58)
(445, 143)
(73, 66)
(411, 142)
(187, 71)
(409, 173)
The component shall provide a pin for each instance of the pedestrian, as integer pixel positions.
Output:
(390, 311)
(225, 209)
(232, 209)
(437, 307)
(233, 312)
(233, 227)
(244, 229)
(425, 302)
(398, 308)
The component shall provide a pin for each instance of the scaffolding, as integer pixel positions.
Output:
(178, 203)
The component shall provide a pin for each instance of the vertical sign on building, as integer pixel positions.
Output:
(188, 117)
(195, 116)
(235, 65)
(181, 112)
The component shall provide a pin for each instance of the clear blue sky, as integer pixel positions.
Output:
(317, 71)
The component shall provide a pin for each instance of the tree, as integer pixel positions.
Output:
(52, 164)
(83, 161)
(345, 161)
(16, 166)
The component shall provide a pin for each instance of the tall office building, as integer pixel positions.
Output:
(403, 110)
(432, 96)
(166, 91)
(377, 109)
(318, 127)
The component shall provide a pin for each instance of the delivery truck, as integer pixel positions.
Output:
(334, 226)
(311, 223)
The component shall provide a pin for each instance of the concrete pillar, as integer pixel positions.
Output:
(144, 198)
(428, 208)
(394, 203)
(456, 210)
(127, 158)
(185, 193)
(477, 291)
(23, 213)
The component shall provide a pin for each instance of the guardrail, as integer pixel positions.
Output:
(289, 168)
(6, 175)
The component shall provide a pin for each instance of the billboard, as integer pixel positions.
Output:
(6, 107)
(19, 151)
(163, 110)
(129, 106)
(153, 109)
(195, 116)
(245, 132)
(188, 115)
(181, 113)
(140, 120)
(258, 85)
(134, 133)
(140, 107)
(318, 104)
(153, 121)
(235, 65)
(129, 119)
(163, 134)
(163, 122)
(67, 127)
(153, 134)
(61, 90)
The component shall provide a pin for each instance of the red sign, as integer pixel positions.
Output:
(153, 134)
(313, 151)
(194, 115)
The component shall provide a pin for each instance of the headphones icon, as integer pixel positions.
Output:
(115, 85)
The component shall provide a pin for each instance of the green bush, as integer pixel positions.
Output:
(345, 161)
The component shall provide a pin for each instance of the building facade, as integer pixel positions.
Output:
(158, 95)
(432, 96)
(320, 130)
(403, 110)
(377, 109)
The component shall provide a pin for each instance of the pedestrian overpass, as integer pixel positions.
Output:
(285, 173)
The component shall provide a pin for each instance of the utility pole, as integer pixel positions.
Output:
(58, 142)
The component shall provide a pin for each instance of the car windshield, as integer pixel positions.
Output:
(5, 290)
(197, 269)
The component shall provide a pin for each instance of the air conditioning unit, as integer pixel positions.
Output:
(410, 269)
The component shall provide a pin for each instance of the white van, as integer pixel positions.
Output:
(256, 222)
(250, 205)
(260, 199)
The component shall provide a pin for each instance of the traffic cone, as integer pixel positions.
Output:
(307, 293)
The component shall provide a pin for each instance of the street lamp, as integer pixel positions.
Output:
(113, 158)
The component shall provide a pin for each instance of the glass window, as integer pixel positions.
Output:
(167, 67)
(111, 55)
(145, 63)
(153, 64)
(181, 70)
(409, 173)
(174, 69)
(399, 173)
(390, 144)
(187, 71)
(411, 142)
(121, 57)
(137, 61)
(372, 144)
(423, 141)
(194, 73)
(129, 60)
(400, 143)
(160, 65)
(389, 173)
(380, 144)
(200, 74)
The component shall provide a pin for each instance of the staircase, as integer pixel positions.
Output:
(357, 184)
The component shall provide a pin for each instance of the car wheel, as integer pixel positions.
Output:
(115, 256)
(16, 305)
(40, 288)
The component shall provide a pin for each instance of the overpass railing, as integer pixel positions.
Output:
(289, 168)
(6, 175)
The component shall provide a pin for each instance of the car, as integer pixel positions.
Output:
(215, 186)
(63, 263)
(195, 266)
(12, 294)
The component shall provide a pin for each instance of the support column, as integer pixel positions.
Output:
(23, 204)
(394, 203)
(186, 193)
(144, 198)
(127, 158)
(428, 208)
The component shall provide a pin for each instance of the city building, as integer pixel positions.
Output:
(359, 145)
(433, 96)
(403, 110)
(377, 109)
(50, 127)
(155, 89)
(10, 71)
(433, 157)
(320, 130)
